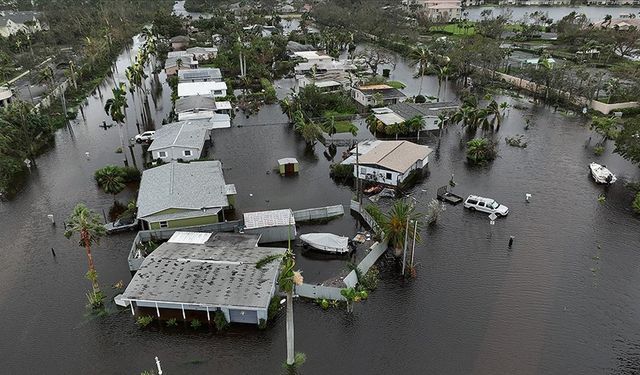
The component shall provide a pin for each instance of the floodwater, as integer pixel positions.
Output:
(563, 300)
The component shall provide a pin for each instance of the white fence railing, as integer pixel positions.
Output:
(318, 213)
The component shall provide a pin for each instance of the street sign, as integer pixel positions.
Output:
(493, 217)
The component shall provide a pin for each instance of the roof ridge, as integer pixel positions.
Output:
(390, 151)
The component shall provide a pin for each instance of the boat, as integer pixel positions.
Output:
(327, 242)
(375, 189)
(601, 174)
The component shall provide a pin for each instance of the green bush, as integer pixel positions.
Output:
(636, 204)
(274, 306)
(144, 320)
(342, 172)
(195, 324)
(262, 324)
(269, 91)
(172, 322)
(220, 321)
(598, 150)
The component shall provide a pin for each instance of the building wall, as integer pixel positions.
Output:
(273, 234)
(387, 177)
(166, 311)
(188, 222)
(175, 153)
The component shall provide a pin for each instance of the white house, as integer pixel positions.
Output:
(373, 95)
(204, 107)
(6, 96)
(200, 75)
(14, 22)
(388, 162)
(203, 53)
(211, 89)
(313, 57)
(440, 10)
(176, 63)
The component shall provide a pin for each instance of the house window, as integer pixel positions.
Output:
(164, 224)
(162, 154)
(187, 152)
(388, 176)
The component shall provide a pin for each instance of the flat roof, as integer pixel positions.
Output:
(287, 161)
(397, 156)
(218, 273)
(190, 237)
(312, 55)
(389, 118)
(265, 219)
(200, 88)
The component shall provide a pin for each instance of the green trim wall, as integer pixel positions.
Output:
(187, 222)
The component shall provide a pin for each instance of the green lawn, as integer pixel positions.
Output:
(336, 114)
(396, 84)
(454, 29)
(342, 126)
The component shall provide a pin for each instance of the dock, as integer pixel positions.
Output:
(447, 196)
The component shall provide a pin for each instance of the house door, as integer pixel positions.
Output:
(289, 169)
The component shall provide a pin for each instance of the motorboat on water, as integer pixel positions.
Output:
(327, 242)
(601, 174)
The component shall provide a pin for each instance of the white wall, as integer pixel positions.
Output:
(175, 153)
(383, 176)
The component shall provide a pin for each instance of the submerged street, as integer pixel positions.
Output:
(564, 299)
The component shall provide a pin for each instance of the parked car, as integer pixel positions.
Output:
(145, 137)
(122, 225)
(488, 205)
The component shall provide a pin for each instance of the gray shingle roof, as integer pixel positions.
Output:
(18, 17)
(410, 110)
(220, 272)
(189, 134)
(189, 186)
(190, 103)
(210, 74)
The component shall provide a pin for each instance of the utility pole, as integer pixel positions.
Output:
(358, 198)
(404, 251)
(413, 248)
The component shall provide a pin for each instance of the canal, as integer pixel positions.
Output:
(563, 300)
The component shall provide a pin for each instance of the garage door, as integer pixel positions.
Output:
(243, 316)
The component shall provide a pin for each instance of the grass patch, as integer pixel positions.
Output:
(337, 115)
(454, 29)
(344, 126)
(396, 84)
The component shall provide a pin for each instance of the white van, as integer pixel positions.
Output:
(488, 205)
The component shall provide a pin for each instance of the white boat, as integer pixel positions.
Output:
(601, 174)
(326, 242)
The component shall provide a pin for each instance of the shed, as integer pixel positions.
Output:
(288, 166)
(272, 226)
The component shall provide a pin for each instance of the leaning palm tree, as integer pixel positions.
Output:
(115, 107)
(287, 280)
(89, 228)
(110, 180)
(421, 57)
(395, 225)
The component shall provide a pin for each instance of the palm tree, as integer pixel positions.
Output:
(115, 107)
(395, 225)
(330, 126)
(493, 109)
(421, 57)
(442, 122)
(89, 228)
(47, 75)
(443, 75)
(287, 279)
(480, 150)
(110, 180)
(372, 124)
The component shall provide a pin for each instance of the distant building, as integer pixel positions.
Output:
(388, 162)
(179, 43)
(203, 53)
(439, 10)
(174, 64)
(376, 95)
(401, 112)
(6, 96)
(178, 195)
(534, 2)
(199, 275)
(12, 23)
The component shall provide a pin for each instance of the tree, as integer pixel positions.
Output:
(480, 151)
(287, 280)
(309, 130)
(395, 225)
(110, 180)
(374, 57)
(115, 107)
(628, 141)
(87, 225)
(23, 132)
(421, 57)
(605, 126)
(443, 75)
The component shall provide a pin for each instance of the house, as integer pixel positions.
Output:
(401, 112)
(6, 96)
(200, 75)
(324, 66)
(374, 95)
(264, 31)
(388, 162)
(203, 53)
(286, 9)
(293, 47)
(178, 195)
(199, 276)
(174, 64)
(312, 57)
(203, 107)
(183, 140)
(272, 226)
(622, 24)
(211, 89)
(179, 42)
(437, 10)
(12, 23)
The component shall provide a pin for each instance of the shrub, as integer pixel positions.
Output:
(420, 99)
(324, 304)
(95, 299)
(598, 150)
(220, 321)
(144, 320)
(262, 324)
(172, 322)
(480, 151)
(636, 204)
(269, 91)
(195, 324)
(341, 172)
(369, 281)
(274, 305)
(434, 209)
(130, 174)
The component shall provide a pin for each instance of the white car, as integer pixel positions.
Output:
(145, 137)
(488, 205)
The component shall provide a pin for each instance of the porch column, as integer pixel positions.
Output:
(208, 317)
(183, 314)
(157, 309)
(133, 312)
